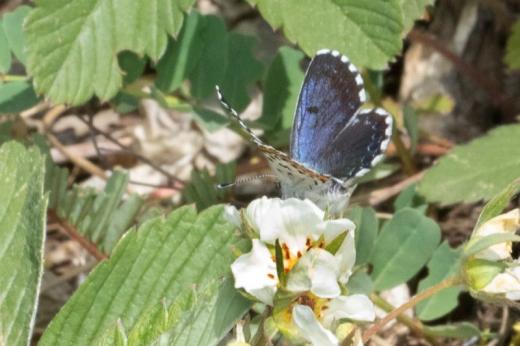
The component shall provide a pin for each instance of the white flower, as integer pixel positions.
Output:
(506, 283)
(504, 223)
(313, 274)
(302, 232)
(492, 274)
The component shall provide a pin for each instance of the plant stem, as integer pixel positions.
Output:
(12, 78)
(414, 325)
(449, 282)
(403, 154)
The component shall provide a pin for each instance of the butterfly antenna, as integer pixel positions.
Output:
(245, 180)
(234, 114)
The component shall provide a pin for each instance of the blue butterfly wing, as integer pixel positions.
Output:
(330, 134)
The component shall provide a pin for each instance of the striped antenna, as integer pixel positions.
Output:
(233, 113)
(245, 180)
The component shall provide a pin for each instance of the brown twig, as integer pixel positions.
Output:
(173, 182)
(379, 196)
(414, 325)
(72, 232)
(77, 160)
(449, 282)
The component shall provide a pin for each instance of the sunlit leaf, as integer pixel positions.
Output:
(368, 32)
(475, 171)
(403, 247)
(72, 46)
(22, 231)
(160, 262)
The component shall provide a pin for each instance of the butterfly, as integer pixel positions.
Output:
(333, 140)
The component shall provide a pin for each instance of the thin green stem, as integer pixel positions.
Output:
(11, 78)
(427, 293)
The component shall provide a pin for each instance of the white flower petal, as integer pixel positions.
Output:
(346, 257)
(504, 223)
(310, 328)
(291, 221)
(355, 307)
(316, 271)
(232, 215)
(332, 228)
(507, 283)
(255, 272)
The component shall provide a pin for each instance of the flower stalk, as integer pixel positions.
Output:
(449, 282)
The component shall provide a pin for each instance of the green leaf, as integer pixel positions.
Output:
(403, 247)
(444, 263)
(71, 63)
(477, 170)
(5, 51)
(13, 22)
(380, 171)
(512, 57)
(203, 191)
(367, 226)
(182, 55)
(161, 261)
(208, 119)
(22, 231)
(462, 330)
(368, 32)
(243, 70)
(132, 66)
(215, 61)
(211, 307)
(281, 90)
(16, 96)
(360, 283)
(409, 198)
(498, 203)
(478, 244)
(412, 10)
(411, 124)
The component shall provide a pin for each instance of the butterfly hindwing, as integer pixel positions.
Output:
(330, 134)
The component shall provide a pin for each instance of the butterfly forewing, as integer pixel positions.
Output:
(331, 135)
(331, 94)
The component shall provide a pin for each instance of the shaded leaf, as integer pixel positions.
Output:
(243, 70)
(403, 247)
(498, 203)
(16, 96)
(444, 263)
(462, 330)
(412, 126)
(368, 32)
(360, 283)
(409, 198)
(512, 57)
(281, 90)
(71, 63)
(161, 261)
(182, 55)
(367, 226)
(5, 51)
(203, 191)
(380, 171)
(132, 66)
(22, 231)
(475, 171)
(13, 23)
(208, 119)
